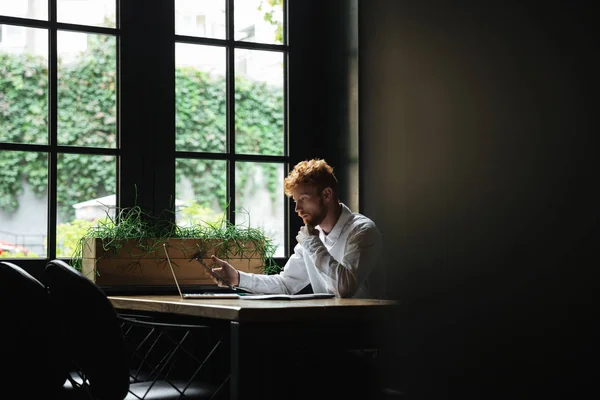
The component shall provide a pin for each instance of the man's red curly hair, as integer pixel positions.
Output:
(313, 172)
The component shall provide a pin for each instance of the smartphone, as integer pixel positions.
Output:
(214, 274)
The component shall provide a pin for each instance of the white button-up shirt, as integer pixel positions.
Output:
(337, 263)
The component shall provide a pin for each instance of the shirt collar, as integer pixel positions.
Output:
(337, 229)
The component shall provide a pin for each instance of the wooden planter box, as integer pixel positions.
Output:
(138, 262)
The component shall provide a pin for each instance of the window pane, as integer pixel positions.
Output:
(201, 191)
(200, 90)
(259, 102)
(259, 199)
(24, 85)
(259, 21)
(85, 193)
(202, 18)
(24, 9)
(23, 204)
(87, 90)
(88, 12)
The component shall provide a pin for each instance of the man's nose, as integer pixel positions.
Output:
(296, 208)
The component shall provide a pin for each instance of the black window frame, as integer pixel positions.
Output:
(52, 148)
(145, 129)
(230, 155)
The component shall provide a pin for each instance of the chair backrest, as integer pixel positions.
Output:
(94, 340)
(31, 362)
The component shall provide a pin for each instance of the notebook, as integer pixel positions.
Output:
(304, 296)
(202, 295)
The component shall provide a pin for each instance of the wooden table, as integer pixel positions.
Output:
(261, 332)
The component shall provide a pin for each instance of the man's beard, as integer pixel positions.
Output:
(317, 218)
(314, 221)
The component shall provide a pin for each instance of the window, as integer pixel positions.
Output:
(231, 147)
(58, 120)
(88, 119)
(12, 36)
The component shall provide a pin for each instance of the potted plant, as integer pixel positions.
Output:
(128, 250)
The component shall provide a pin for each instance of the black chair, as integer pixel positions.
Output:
(92, 341)
(117, 356)
(28, 353)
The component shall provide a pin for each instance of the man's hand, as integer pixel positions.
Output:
(306, 231)
(226, 271)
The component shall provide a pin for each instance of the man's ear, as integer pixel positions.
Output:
(327, 194)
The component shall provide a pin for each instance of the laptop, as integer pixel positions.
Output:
(202, 295)
(238, 293)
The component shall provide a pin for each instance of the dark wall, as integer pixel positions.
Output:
(322, 90)
(478, 134)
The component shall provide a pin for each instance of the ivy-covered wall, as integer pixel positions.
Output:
(87, 117)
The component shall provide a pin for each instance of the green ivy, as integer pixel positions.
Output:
(87, 117)
(270, 7)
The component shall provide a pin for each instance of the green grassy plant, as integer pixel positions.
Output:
(149, 232)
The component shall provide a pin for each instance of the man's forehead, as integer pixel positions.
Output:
(304, 188)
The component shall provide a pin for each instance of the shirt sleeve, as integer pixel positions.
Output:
(344, 277)
(291, 280)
